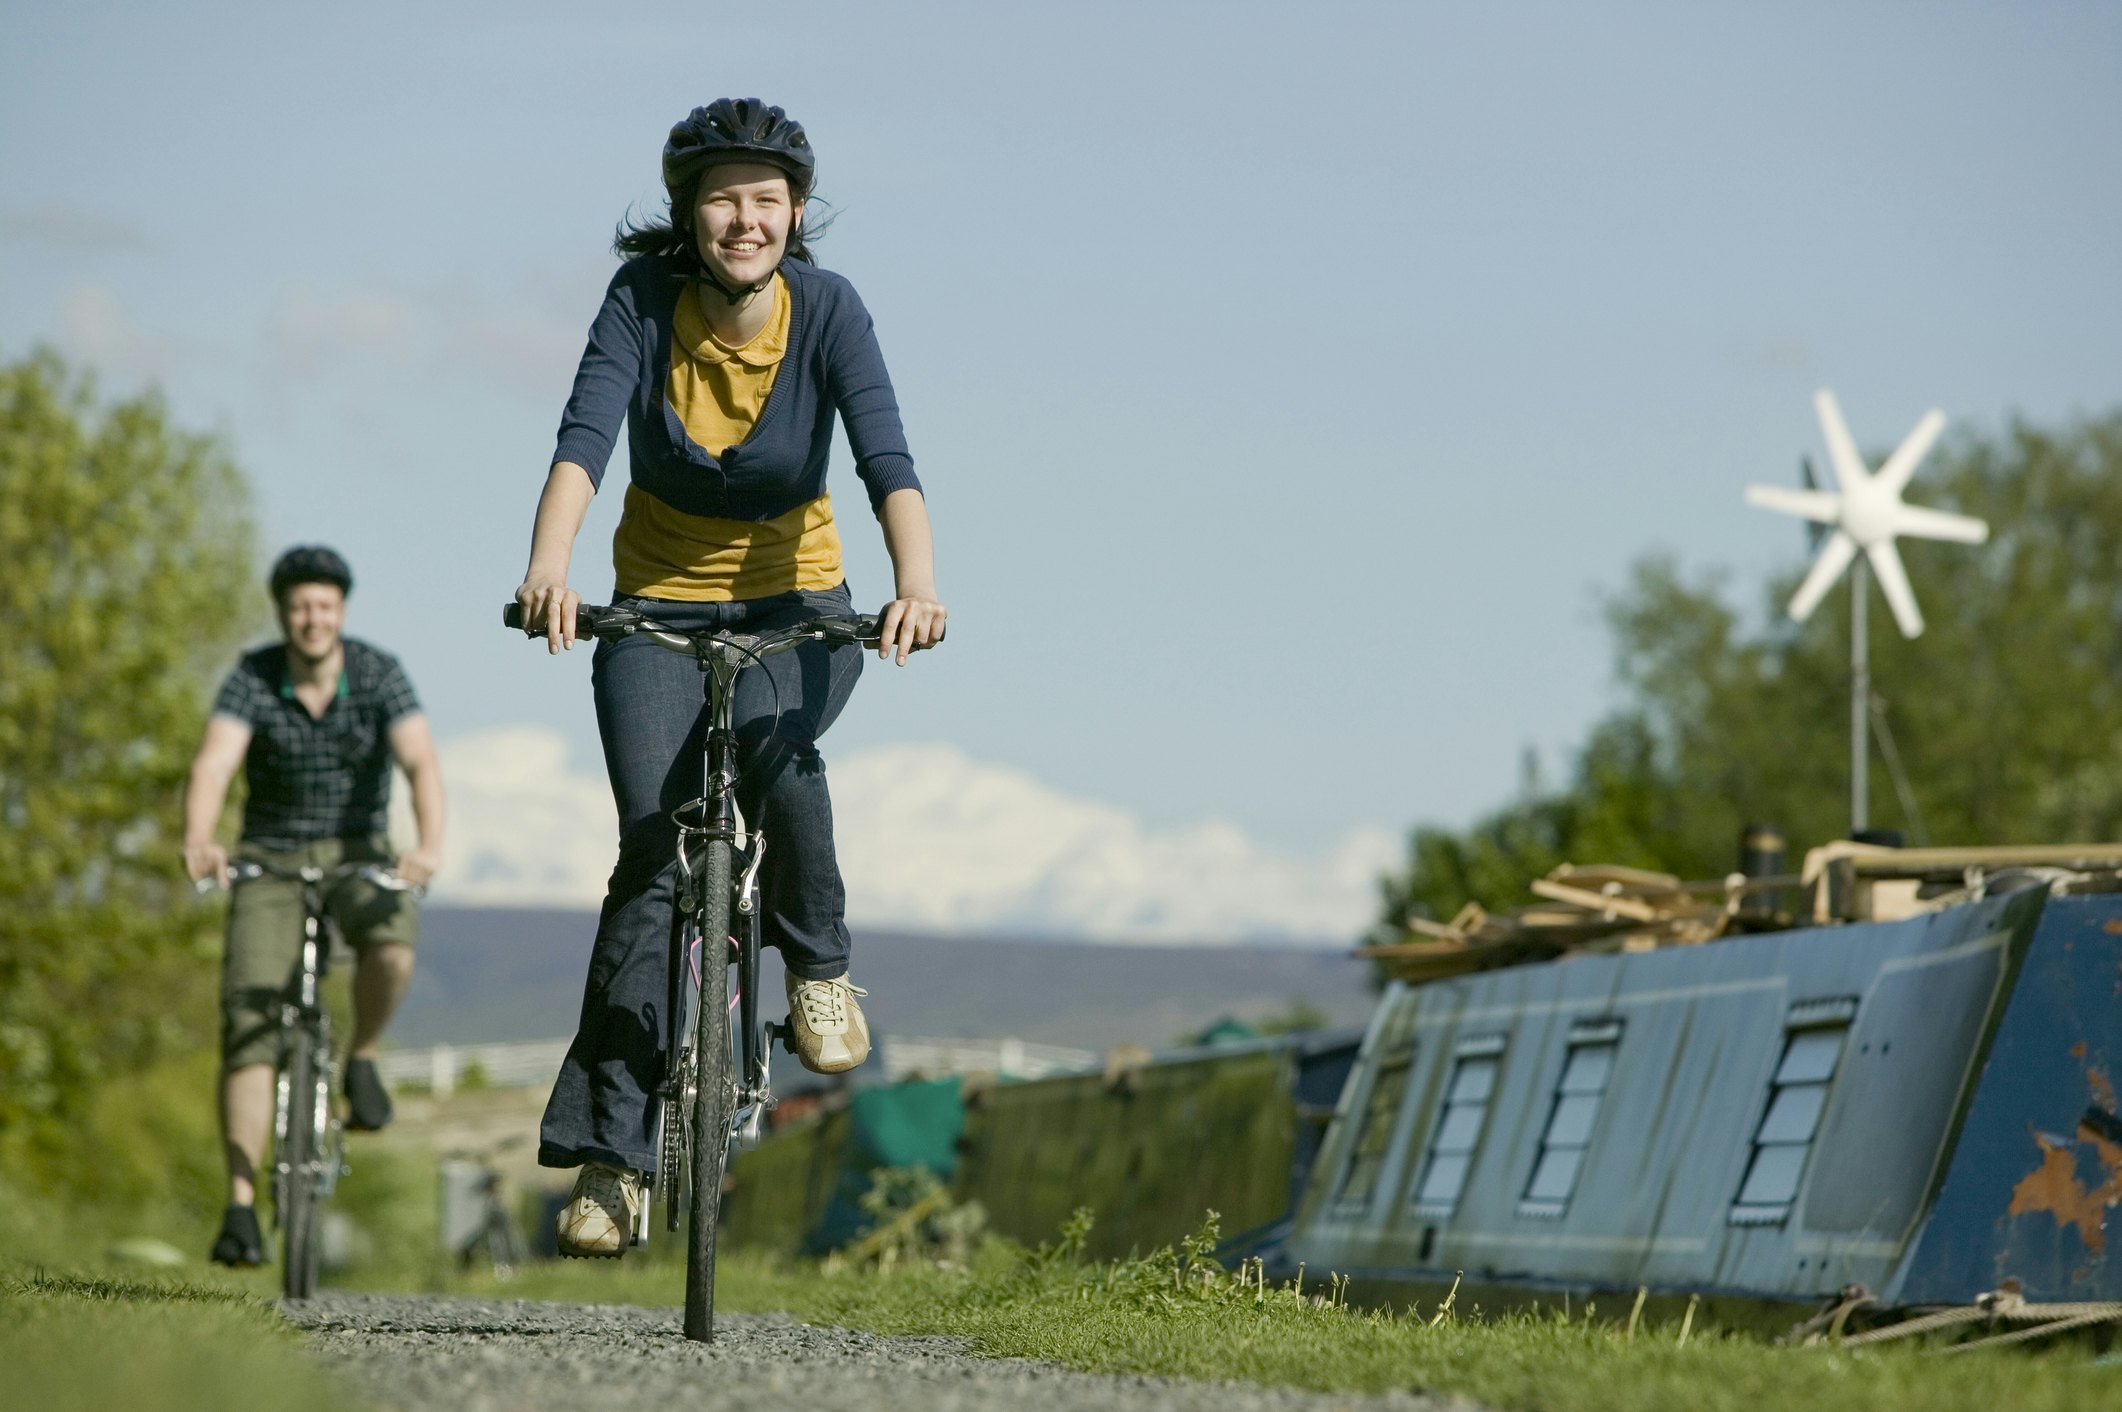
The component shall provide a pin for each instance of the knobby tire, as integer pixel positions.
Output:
(298, 1221)
(711, 1107)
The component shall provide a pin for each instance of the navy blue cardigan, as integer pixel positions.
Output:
(832, 364)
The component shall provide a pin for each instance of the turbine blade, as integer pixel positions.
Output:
(1834, 558)
(1902, 464)
(1925, 523)
(1821, 505)
(1893, 582)
(1842, 457)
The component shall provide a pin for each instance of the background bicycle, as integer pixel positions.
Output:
(478, 1223)
(307, 1149)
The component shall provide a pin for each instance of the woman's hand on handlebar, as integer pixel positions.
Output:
(548, 603)
(908, 624)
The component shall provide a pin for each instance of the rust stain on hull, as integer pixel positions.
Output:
(2054, 1187)
(2103, 1090)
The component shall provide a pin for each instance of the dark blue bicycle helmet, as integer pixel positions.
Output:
(737, 129)
(309, 563)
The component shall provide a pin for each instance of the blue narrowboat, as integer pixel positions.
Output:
(1923, 1107)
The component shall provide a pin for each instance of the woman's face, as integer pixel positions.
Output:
(742, 218)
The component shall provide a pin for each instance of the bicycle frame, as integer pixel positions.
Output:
(302, 1008)
(726, 821)
(307, 1154)
(716, 817)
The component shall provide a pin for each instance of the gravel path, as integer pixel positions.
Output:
(426, 1354)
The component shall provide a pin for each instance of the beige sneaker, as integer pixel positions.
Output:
(831, 1035)
(599, 1217)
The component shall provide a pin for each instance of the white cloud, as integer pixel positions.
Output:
(95, 328)
(928, 838)
(76, 230)
(527, 354)
(527, 827)
(510, 341)
(309, 332)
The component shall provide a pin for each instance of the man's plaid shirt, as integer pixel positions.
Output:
(325, 777)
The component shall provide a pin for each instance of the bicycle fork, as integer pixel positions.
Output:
(322, 1165)
(723, 819)
(755, 1093)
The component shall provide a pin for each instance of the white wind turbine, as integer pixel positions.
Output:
(1866, 512)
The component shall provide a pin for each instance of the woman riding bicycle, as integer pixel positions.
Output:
(728, 353)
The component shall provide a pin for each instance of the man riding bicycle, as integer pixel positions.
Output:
(315, 721)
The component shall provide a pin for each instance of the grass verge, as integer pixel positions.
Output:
(81, 1344)
(1177, 1314)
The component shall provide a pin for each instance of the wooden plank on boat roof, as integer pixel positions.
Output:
(1597, 875)
(2061, 855)
(1595, 901)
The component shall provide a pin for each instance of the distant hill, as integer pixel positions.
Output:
(489, 975)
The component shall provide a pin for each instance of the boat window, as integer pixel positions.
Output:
(1569, 1119)
(1451, 1147)
(1375, 1130)
(1812, 1048)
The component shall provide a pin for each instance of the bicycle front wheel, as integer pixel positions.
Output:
(712, 1102)
(298, 1216)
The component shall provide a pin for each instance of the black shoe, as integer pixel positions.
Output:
(368, 1103)
(239, 1243)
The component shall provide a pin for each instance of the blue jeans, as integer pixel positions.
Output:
(652, 714)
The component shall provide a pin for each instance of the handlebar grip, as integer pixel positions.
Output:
(858, 627)
(590, 618)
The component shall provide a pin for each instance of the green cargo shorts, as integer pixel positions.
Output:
(265, 936)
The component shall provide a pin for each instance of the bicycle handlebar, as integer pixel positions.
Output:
(610, 623)
(245, 870)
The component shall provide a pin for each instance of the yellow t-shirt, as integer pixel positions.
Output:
(718, 393)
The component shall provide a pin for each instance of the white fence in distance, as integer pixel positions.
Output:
(908, 1055)
(444, 1067)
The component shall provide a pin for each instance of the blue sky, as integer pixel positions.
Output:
(1288, 381)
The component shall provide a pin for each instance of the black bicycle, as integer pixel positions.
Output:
(477, 1222)
(715, 1087)
(307, 1156)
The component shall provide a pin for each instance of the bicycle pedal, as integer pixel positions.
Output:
(778, 1032)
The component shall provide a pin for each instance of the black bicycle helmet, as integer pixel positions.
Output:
(737, 129)
(309, 563)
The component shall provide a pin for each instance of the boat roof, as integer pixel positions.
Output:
(1601, 908)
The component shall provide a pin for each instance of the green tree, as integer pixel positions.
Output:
(128, 580)
(2006, 713)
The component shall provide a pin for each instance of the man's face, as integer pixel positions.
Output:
(311, 615)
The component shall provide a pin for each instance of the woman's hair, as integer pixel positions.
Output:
(673, 233)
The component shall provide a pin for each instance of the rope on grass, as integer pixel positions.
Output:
(2096, 1315)
(2007, 1305)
